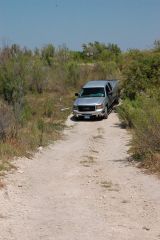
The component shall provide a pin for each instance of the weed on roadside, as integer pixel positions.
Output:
(99, 136)
(2, 185)
(88, 161)
(106, 184)
(110, 186)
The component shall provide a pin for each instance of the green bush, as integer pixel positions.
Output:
(73, 74)
(141, 72)
(143, 115)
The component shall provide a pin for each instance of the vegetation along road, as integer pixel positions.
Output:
(81, 188)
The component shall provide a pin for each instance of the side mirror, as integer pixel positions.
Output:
(110, 93)
(76, 94)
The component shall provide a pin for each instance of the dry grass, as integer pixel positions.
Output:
(7, 121)
(2, 185)
(110, 186)
(94, 151)
(6, 165)
(88, 161)
(100, 130)
(152, 164)
(143, 115)
(106, 184)
(99, 136)
(43, 124)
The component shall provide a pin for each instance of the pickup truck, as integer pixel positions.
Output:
(96, 98)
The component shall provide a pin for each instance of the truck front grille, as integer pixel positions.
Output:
(86, 108)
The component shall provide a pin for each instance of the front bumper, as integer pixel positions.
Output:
(96, 113)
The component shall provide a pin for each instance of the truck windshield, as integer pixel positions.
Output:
(92, 92)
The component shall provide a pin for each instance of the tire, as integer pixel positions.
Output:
(106, 113)
(76, 118)
(116, 101)
(117, 98)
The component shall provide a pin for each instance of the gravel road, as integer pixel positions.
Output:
(81, 188)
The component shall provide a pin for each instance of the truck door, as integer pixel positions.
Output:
(113, 92)
(108, 96)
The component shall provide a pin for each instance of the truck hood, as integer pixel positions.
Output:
(89, 101)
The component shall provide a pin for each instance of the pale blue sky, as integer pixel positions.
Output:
(34, 23)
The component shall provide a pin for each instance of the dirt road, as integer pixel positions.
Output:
(81, 188)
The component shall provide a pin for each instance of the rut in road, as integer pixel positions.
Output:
(81, 188)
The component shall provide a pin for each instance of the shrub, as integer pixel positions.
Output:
(146, 139)
(143, 115)
(7, 122)
(38, 75)
(41, 128)
(48, 108)
(73, 74)
(140, 73)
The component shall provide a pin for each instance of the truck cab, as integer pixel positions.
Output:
(95, 99)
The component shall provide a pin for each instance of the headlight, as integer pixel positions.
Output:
(75, 107)
(99, 106)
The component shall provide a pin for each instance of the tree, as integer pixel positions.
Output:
(157, 45)
(101, 51)
(48, 53)
(141, 73)
(38, 75)
(114, 49)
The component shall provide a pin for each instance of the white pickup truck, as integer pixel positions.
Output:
(96, 98)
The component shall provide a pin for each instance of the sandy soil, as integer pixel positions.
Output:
(81, 188)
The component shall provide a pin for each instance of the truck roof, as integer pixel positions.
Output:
(97, 83)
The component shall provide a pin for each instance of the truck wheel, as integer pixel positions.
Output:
(76, 118)
(116, 101)
(106, 113)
